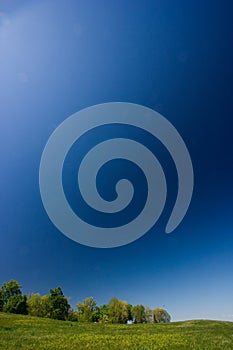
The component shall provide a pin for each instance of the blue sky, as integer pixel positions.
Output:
(172, 56)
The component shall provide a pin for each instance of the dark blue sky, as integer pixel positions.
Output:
(57, 57)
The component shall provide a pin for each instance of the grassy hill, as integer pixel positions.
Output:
(25, 332)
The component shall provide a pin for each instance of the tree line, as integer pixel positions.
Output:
(56, 306)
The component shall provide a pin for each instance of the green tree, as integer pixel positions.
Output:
(118, 310)
(58, 304)
(16, 304)
(103, 313)
(138, 314)
(161, 316)
(72, 316)
(38, 306)
(1, 299)
(45, 306)
(87, 310)
(149, 315)
(12, 299)
(11, 288)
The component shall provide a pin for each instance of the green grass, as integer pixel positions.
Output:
(25, 332)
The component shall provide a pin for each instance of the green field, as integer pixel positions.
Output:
(25, 332)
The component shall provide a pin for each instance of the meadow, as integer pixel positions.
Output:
(27, 333)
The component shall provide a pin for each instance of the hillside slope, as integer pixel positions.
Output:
(25, 332)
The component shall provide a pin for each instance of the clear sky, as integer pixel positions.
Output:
(176, 57)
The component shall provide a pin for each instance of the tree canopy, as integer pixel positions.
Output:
(11, 298)
(56, 306)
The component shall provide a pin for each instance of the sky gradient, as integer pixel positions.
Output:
(57, 58)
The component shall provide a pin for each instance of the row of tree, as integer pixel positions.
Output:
(56, 306)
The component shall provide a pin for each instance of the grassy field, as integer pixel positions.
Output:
(25, 332)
